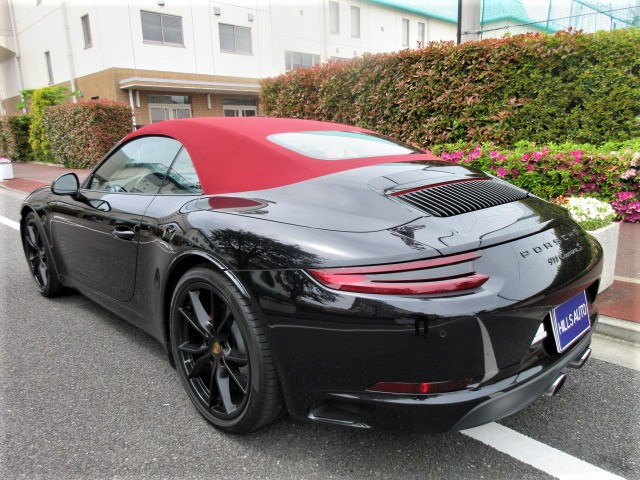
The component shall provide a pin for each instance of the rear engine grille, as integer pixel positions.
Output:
(462, 196)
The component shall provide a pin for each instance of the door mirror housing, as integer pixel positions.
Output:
(66, 184)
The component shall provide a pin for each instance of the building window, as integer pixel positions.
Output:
(235, 39)
(86, 31)
(47, 56)
(405, 32)
(161, 28)
(239, 107)
(168, 107)
(421, 34)
(355, 22)
(334, 18)
(295, 60)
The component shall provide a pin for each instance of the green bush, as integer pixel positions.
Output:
(81, 134)
(14, 137)
(38, 100)
(541, 88)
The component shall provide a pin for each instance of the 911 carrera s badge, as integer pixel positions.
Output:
(216, 349)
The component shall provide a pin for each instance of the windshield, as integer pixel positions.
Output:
(336, 145)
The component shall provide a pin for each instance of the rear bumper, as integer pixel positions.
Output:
(448, 411)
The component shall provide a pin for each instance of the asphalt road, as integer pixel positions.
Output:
(85, 395)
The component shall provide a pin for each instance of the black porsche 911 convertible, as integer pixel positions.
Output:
(323, 270)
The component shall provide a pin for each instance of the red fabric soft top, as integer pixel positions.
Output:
(233, 154)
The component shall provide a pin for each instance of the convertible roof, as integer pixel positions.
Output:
(233, 154)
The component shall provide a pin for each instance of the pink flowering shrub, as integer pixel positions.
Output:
(609, 173)
(627, 202)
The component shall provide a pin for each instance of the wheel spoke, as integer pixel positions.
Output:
(225, 319)
(236, 376)
(42, 270)
(199, 366)
(237, 357)
(35, 265)
(222, 380)
(194, 323)
(212, 385)
(31, 237)
(193, 349)
(201, 315)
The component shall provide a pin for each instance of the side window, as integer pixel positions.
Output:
(140, 166)
(182, 177)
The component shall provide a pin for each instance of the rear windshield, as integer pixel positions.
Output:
(336, 145)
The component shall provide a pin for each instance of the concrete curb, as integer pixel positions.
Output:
(619, 329)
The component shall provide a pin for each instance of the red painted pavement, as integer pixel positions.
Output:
(622, 299)
(29, 176)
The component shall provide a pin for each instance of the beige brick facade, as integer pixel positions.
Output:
(115, 84)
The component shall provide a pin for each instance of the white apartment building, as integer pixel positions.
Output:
(179, 58)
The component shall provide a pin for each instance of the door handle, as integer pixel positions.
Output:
(125, 233)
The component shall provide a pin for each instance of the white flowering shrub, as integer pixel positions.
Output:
(589, 212)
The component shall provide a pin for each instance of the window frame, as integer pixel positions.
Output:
(405, 32)
(47, 56)
(334, 18)
(355, 10)
(288, 60)
(422, 33)
(86, 31)
(235, 39)
(163, 42)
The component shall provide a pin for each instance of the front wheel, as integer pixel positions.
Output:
(221, 353)
(39, 258)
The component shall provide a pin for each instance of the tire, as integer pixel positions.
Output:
(38, 254)
(222, 354)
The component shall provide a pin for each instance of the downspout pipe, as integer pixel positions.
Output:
(133, 109)
(16, 58)
(72, 66)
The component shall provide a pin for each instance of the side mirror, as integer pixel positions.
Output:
(66, 184)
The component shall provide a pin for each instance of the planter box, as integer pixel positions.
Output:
(608, 238)
(6, 171)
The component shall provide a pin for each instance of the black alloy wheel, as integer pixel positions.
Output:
(38, 254)
(221, 353)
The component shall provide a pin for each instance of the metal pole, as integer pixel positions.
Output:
(459, 26)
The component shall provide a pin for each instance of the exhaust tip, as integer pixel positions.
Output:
(556, 385)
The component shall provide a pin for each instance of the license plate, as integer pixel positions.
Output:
(570, 320)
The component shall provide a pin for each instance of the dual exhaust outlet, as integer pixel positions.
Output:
(557, 384)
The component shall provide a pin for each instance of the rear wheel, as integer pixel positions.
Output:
(221, 353)
(39, 258)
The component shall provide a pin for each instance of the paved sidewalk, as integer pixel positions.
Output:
(29, 176)
(619, 305)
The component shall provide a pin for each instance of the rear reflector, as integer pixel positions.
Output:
(454, 273)
(419, 388)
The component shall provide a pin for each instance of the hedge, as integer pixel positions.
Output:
(542, 88)
(14, 137)
(81, 134)
(609, 172)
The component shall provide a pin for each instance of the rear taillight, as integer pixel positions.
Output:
(454, 273)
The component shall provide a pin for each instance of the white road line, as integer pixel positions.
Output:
(540, 456)
(9, 222)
